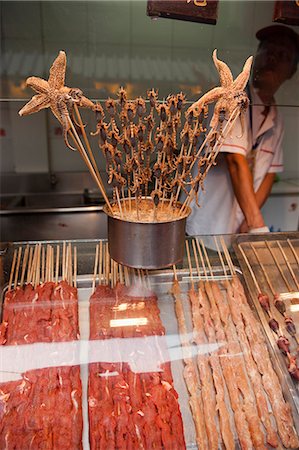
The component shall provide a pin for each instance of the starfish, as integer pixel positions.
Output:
(55, 95)
(229, 96)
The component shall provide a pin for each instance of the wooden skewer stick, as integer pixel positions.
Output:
(201, 259)
(148, 279)
(288, 264)
(87, 143)
(66, 264)
(38, 267)
(127, 278)
(227, 257)
(250, 269)
(43, 264)
(119, 203)
(100, 262)
(263, 269)
(220, 139)
(51, 264)
(47, 264)
(207, 259)
(63, 260)
(189, 263)
(24, 265)
(29, 264)
(279, 267)
(121, 275)
(17, 267)
(175, 272)
(293, 250)
(33, 266)
(12, 269)
(196, 259)
(75, 266)
(57, 264)
(107, 265)
(220, 257)
(70, 265)
(84, 155)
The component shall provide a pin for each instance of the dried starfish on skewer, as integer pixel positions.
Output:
(227, 97)
(55, 95)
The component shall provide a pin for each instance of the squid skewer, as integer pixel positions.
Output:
(190, 373)
(205, 323)
(244, 405)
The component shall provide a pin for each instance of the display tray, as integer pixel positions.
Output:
(270, 265)
(179, 346)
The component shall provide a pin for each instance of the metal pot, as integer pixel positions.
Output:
(146, 245)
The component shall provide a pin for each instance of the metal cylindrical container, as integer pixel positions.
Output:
(146, 245)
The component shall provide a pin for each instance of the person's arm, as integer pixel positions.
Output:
(261, 196)
(242, 182)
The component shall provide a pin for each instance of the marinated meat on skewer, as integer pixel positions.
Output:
(279, 304)
(284, 344)
(290, 326)
(274, 325)
(128, 408)
(264, 302)
(44, 408)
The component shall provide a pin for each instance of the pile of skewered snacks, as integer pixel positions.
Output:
(150, 147)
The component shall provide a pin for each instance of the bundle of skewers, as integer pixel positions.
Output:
(152, 148)
(131, 397)
(40, 312)
(234, 391)
(281, 323)
(42, 280)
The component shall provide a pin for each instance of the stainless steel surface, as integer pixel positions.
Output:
(49, 213)
(146, 245)
(80, 223)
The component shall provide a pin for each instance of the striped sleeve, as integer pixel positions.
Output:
(277, 160)
(236, 140)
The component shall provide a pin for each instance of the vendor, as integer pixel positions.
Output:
(237, 187)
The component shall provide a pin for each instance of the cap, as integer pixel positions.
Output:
(281, 30)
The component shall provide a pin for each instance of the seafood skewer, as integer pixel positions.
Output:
(244, 406)
(204, 328)
(251, 368)
(281, 409)
(190, 373)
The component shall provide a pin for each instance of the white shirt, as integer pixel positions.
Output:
(219, 212)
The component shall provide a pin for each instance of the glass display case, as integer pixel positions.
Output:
(98, 355)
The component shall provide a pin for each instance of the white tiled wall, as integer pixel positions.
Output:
(112, 43)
